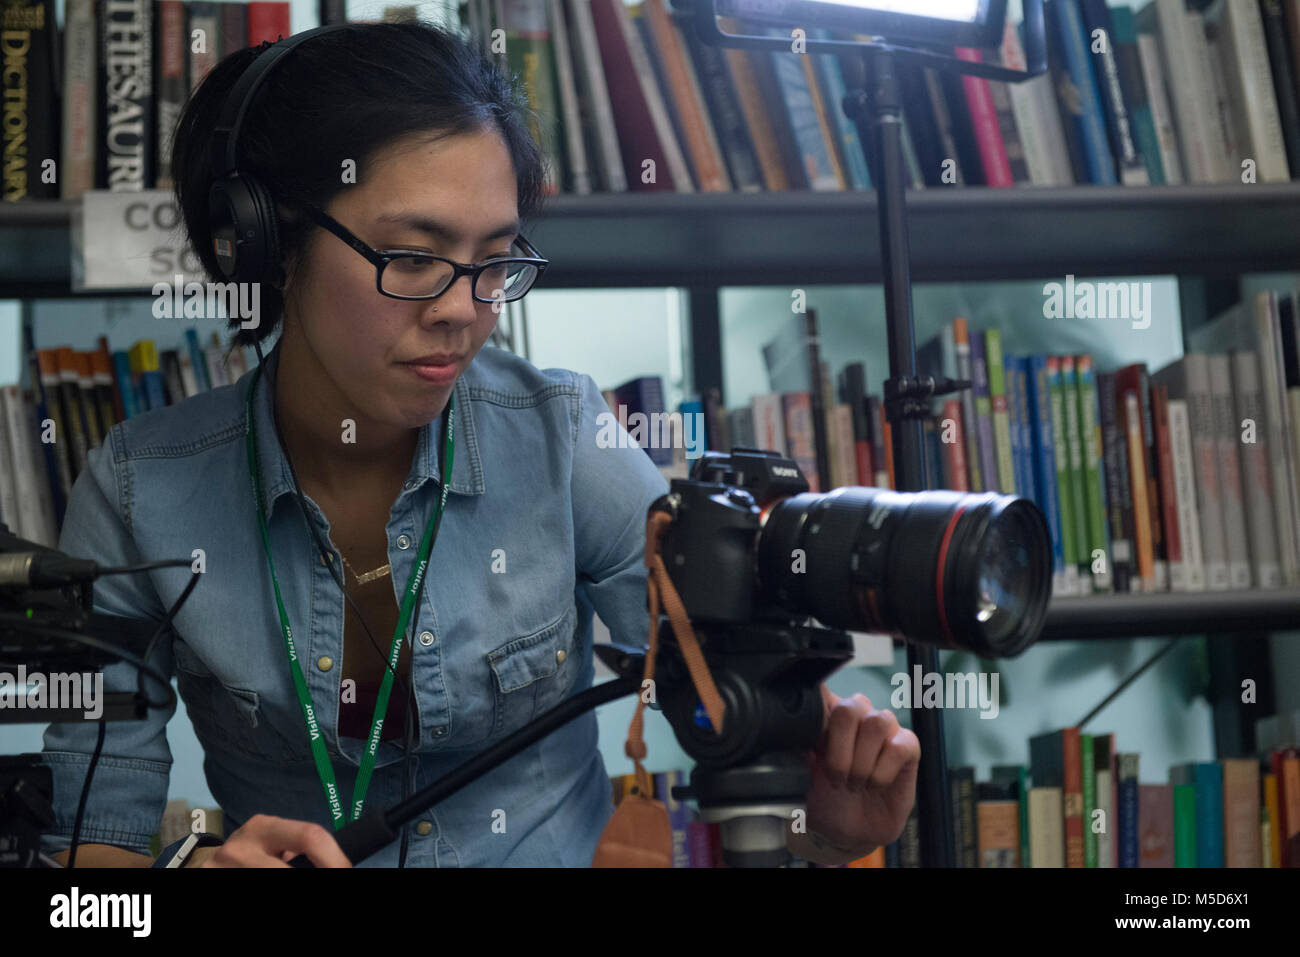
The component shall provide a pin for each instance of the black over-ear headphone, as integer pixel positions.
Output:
(241, 213)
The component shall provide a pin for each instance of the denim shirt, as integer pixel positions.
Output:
(542, 526)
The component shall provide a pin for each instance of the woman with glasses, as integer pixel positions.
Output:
(402, 533)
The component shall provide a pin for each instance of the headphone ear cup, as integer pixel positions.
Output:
(269, 225)
(238, 237)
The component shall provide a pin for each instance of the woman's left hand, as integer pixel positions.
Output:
(863, 774)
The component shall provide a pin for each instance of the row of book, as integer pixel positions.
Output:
(1180, 480)
(48, 430)
(1183, 479)
(104, 94)
(628, 98)
(1079, 803)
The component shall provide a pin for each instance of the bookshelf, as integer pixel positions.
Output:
(1205, 235)
(958, 234)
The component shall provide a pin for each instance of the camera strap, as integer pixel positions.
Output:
(324, 767)
(639, 834)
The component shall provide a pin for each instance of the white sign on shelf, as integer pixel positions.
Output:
(130, 240)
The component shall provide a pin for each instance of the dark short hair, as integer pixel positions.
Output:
(344, 94)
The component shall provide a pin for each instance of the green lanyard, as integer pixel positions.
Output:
(323, 766)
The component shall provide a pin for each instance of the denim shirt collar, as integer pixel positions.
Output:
(467, 467)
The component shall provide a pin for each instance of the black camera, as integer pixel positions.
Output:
(773, 577)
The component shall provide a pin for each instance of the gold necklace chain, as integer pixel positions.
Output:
(380, 572)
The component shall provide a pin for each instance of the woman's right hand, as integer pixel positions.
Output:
(267, 841)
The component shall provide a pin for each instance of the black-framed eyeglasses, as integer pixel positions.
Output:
(408, 274)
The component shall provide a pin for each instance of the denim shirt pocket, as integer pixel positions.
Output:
(226, 717)
(532, 674)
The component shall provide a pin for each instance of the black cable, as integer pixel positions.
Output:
(167, 619)
(85, 793)
(147, 566)
(1128, 681)
(311, 527)
(407, 690)
(21, 622)
(142, 667)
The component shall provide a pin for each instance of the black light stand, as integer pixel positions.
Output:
(906, 397)
(880, 105)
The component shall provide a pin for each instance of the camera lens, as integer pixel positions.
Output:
(958, 570)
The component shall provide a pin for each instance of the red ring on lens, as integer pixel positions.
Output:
(938, 575)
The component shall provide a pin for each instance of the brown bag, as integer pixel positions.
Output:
(639, 834)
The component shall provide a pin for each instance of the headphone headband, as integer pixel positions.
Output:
(241, 212)
(225, 138)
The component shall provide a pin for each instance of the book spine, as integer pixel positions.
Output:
(1000, 411)
(1073, 798)
(1226, 458)
(1162, 114)
(1089, 784)
(1245, 52)
(954, 446)
(1091, 124)
(854, 157)
(1090, 441)
(1159, 548)
(1283, 78)
(1256, 493)
(173, 85)
(1269, 323)
(126, 49)
(1189, 518)
(1121, 555)
(1129, 834)
(1133, 87)
(1033, 130)
(731, 129)
(596, 95)
(984, 116)
(1188, 90)
(984, 413)
(1013, 421)
(1078, 492)
(1026, 417)
(80, 97)
(1146, 575)
(700, 141)
(879, 457)
(1219, 124)
(1200, 417)
(566, 88)
(1064, 475)
(962, 357)
(1168, 490)
(796, 408)
(1044, 449)
(1105, 65)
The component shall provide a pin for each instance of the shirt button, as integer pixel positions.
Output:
(324, 662)
(560, 656)
(403, 541)
(440, 732)
(423, 828)
(426, 638)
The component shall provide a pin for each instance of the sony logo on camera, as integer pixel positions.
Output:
(784, 472)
